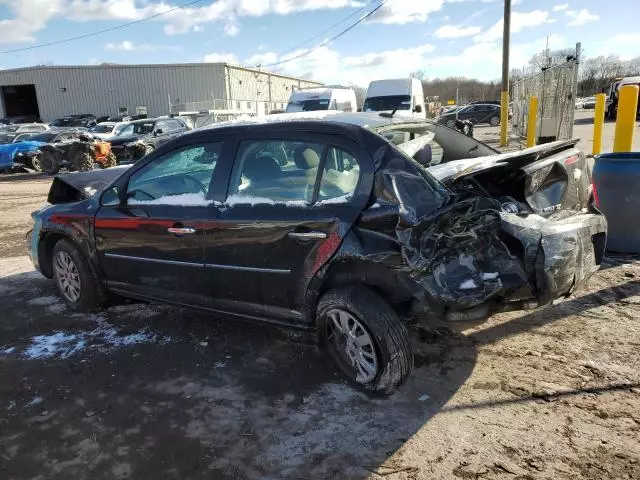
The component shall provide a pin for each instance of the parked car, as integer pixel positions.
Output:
(347, 238)
(8, 133)
(322, 98)
(477, 113)
(81, 120)
(589, 103)
(133, 140)
(104, 129)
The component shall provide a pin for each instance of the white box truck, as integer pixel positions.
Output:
(322, 98)
(404, 95)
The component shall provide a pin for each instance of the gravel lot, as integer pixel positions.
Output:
(142, 391)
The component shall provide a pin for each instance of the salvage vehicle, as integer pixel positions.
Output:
(8, 133)
(85, 120)
(133, 140)
(54, 149)
(351, 238)
(104, 129)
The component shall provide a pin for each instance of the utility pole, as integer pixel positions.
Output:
(504, 94)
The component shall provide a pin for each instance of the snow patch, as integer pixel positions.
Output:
(35, 401)
(42, 301)
(9, 350)
(236, 199)
(185, 199)
(342, 199)
(90, 191)
(490, 276)
(468, 284)
(102, 338)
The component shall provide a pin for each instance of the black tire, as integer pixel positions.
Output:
(49, 163)
(34, 163)
(110, 161)
(83, 162)
(390, 336)
(92, 295)
(494, 121)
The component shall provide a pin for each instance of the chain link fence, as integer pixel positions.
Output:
(556, 89)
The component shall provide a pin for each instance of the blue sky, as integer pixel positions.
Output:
(441, 37)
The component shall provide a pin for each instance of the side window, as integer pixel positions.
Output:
(162, 125)
(275, 171)
(339, 177)
(180, 177)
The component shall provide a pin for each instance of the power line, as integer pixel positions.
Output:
(327, 29)
(326, 42)
(80, 37)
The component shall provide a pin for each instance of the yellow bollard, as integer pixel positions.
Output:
(504, 118)
(598, 123)
(626, 120)
(532, 121)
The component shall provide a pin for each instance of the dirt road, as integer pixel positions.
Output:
(141, 391)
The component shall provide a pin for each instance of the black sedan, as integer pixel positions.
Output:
(476, 113)
(133, 140)
(329, 226)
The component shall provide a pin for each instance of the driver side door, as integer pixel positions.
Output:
(150, 243)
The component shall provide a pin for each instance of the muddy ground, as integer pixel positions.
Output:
(141, 391)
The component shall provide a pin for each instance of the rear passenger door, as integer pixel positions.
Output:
(290, 201)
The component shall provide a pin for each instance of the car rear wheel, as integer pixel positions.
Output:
(366, 338)
(34, 163)
(74, 277)
(494, 121)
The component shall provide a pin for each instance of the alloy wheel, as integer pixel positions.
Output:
(67, 276)
(353, 344)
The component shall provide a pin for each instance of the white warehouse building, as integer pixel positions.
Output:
(49, 92)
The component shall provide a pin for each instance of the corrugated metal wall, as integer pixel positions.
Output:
(102, 90)
(263, 90)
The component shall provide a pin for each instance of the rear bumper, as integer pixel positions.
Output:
(560, 254)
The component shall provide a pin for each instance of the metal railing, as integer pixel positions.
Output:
(556, 89)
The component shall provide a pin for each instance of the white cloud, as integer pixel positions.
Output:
(455, 31)
(221, 58)
(129, 46)
(29, 17)
(626, 38)
(581, 17)
(561, 7)
(519, 21)
(406, 11)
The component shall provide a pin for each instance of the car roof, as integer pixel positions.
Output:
(370, 120)
(144, 120)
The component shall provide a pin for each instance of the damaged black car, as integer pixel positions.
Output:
(133, 140)
(328, 225)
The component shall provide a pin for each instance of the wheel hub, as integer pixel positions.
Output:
(353, 342)
(67, 276)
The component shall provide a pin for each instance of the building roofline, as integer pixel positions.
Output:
(153, 65)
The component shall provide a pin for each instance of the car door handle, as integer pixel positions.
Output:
(181, 230)
(308, 235)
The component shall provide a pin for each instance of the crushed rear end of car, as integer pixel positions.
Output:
(513, 232)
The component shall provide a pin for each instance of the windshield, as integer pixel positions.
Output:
(134, 129)
(102, 129)
(308, 105)
(43, 137)
(390, 102)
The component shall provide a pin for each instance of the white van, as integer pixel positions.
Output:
(322, 98)
(405, 95)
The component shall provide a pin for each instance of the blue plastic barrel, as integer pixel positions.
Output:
(616, 179)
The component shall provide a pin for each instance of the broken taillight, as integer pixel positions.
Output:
(594, 191)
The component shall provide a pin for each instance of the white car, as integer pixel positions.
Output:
(105, 129)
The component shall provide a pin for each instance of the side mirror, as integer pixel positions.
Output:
(418, 109)
(158, 132)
